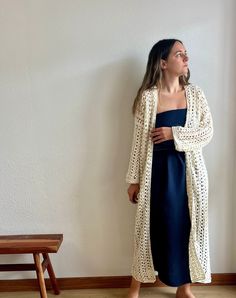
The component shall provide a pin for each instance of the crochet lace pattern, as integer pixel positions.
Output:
(191, 138)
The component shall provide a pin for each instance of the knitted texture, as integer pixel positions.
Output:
(196, 133)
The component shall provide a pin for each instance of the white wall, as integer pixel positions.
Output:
(69, 71)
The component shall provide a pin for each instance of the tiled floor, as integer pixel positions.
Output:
(158, 292)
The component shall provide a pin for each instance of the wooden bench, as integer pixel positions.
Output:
(36, 245)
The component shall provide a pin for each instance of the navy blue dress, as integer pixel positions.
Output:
(169, 213)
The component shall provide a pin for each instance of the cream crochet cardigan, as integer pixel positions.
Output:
(196, 133)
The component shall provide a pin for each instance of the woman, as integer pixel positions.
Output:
(167, 174)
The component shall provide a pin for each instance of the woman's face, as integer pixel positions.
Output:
(177, 61)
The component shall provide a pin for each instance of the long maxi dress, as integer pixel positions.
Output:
(169, 213)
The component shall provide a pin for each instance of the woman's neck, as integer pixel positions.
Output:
(171, 86)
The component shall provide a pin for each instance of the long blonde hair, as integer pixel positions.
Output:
(153, 74)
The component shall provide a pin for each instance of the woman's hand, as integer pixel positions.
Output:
(133, 191)
(161, 134)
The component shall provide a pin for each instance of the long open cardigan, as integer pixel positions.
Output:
(190, 138)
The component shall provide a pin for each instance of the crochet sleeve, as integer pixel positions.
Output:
(132, 175)
(188, 139)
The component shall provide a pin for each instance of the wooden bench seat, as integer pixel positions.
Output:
(36, 245)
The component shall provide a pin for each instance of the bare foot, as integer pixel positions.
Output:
(189, 295)
(132, 295)
(184, 291)
(184, 294)
(134, 289)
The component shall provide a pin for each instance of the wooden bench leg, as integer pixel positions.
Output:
(51, 274)
(40, 276)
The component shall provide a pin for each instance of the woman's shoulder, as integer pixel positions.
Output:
(188, 85)
(148, 95)
(196, 89)
(149, 91)
(198, 95)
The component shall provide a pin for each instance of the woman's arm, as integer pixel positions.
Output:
(187, 139)
(133, 172)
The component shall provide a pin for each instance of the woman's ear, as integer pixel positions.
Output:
(163, 64)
